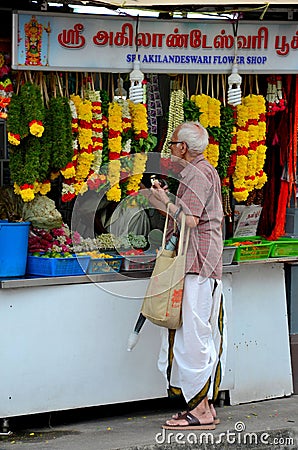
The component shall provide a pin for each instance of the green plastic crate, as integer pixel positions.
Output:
(260, 249)
(284, 247)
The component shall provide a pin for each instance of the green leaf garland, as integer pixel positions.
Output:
(105, 100)
(59, 132)
(227, 123)
(24, 162)
(15, 119)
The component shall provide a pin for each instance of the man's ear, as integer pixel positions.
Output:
(183, 148)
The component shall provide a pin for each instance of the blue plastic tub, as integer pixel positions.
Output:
(13, 248)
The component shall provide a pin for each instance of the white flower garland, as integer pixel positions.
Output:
(94, 97)
(74, 116)
(176, 117)
(127, 146)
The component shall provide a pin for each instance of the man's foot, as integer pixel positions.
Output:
(182, 414)
(179, 415)
(190, 422)
(201, 413)
(213, 412)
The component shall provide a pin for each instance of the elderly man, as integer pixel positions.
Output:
(192, 357)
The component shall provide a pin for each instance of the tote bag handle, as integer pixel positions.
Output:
(181, 237)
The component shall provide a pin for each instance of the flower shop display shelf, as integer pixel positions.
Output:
(250, 248)
(57, 267)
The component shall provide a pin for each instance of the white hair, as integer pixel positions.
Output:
(194, 135)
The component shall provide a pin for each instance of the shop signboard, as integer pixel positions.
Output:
(77, 42)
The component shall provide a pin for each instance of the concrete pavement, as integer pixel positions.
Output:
(268, 424)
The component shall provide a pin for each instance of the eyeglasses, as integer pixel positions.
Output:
(174, 143)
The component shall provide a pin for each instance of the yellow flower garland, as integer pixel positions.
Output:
(210, 117)
(139, 166)
(251, 151)
(140, 129)
(97, 129)
(211, 153)
(138, 113)
(114, 145)
(85, 155)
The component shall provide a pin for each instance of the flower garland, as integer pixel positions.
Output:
(139, 117)
(127, 133)
(209, 118)
(68, 172)
(114, 144)
(176, 117)
(85, 155)
(140, 132)
(24, 167)
(251, 149)
(126, 128)
(26, 114)
(139, 166)
(4, 64)
(105, 102)
(220, 124)
(6, 91)
(275, 96)
(97, 129)
(82, 149)
(59, 132)
(30, 151)
(226, 145)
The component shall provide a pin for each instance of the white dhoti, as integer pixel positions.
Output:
(192, 358)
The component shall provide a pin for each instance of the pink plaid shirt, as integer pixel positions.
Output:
(199, 194)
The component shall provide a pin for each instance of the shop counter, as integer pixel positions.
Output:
(64, 340)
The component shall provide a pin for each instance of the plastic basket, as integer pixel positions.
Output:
(13, 248)
(57, 267)
(105, 265)
(284, 247)
(139, 262)
(228, 255)
(259, 249)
